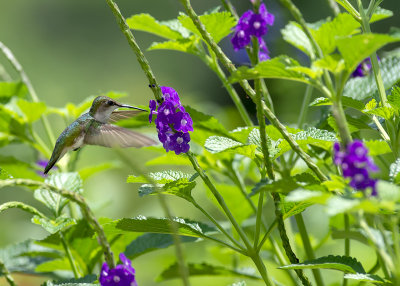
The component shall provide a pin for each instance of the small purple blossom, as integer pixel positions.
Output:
(363, 68)
(253, 24)
(356, 164)
(121, 275)
(173, 123)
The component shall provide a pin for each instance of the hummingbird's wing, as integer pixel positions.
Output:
(109, 135)
(122, 114)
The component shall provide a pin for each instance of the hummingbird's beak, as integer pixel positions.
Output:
(132, 107)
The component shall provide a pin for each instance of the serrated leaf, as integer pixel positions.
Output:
(336, 183)
(342, 25)
(386, 112)
(180, 45)
(10, 89)
(32, 110)
(380, 14)
(394, 97)
(55, 202)
(255, 139)
(346, 101)
(394, 170)
(152, 241)
(217, 144)
(146, 23)
(53, 225)
(181, 188)
(218, 24)
(370, 105)
(364, 87)
(377, 147)
(12, 124)
(204, 269)
(332, 63)
(365, 278)
(354, 53)
(294, 34)
(289, 209)
(345, 264)
(160, 177)
(158, 225)
(279, 68)
(84, 281)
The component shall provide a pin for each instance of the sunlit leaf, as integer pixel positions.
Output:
(293, 34)
(32, 110)
(217, 144)
(53, 226)
(372, 278)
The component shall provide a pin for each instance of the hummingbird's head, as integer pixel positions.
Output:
(103, 106)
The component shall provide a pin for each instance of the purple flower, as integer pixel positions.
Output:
(121, 275)
(356, 164)
(253, 24)
(363, 68)
(173, 123)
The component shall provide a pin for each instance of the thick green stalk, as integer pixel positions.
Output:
(285, 240)
(334, 7)
(307, 247)
(69, 256)
(250, 92)
(7, 274)
(76, 198)
(346, 241)
(135, 47)
(25, 79)
(261, 268)
(340, 118)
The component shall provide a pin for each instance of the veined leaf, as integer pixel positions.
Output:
(205, 269)
(217, 144)
(161, 177)
(333, 63)
(377, 147)
(372, 278)
(354, 53)
(13, 124)
(53, 226)
(380, 14)
(146, 23)
(386, 112)
(346, 101)
(395, 170)
(280, 67)
(84, 281)
(157, 225)
(294, 35)
(152, 241)
(180, 45)
(394, 97)
(218, 24)
(181, 188)
(345, 264)
(364, 87)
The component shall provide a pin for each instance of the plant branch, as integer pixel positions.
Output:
(7, 274)
(69, 255)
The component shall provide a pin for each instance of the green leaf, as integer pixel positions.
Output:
(55, 202)
(181, 188)
(84, 281)
(377, 147)
(54, 265)
(18, 169)
(180, 45)
(388, 191)
(152, 241)
(380, 14)
(204, 269)
(345, 264)
(32, 110)
(294, 35)
(87, 172)
(255, 139)
(354, 53)
(307, 196)
(336, 183)
(15, 261)
(12, 124)
(394, 97)
(372, 278)
(22, 206)
(146, 23)
(394, 171)
(281, 67)
(386, 112)
(161, 177)
(342, 25)
(4, 174)
(365, 87)
(333, 63)
(218, 24)
(349, 8)
(241, 283)
(53, 226)
(10, 89)
(346, 101)
(290, 209)
(217, 144)
(157, 225)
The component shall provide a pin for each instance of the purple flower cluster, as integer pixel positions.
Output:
(363, 68)
(356, 164)
(121, 275)
(253, 24)
(173, 122)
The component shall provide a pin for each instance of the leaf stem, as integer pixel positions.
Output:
(69, 255)
(7, 274)
(307, 247)
(25, 79)
(334, 7)
(346, 241)
(135, 48)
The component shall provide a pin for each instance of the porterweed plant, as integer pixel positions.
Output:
(254, 187)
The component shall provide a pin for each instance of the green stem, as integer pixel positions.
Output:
(79, 200)
(7, 274)
(25, 79)
(307, 247)
(334, 7)
(267, 233)
(229, 7)
(340, 118)
(173, 226)
(219, 198)
(135, 47)
(285, 240)
(232, 92)
(346, 241)
(249, 91)
(396, 247)
(259, 218)
(218, 225)
(69, 256)
(261, 268)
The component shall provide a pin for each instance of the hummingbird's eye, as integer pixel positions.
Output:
(110, 103)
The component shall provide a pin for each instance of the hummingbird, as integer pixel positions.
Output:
(95, 128)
